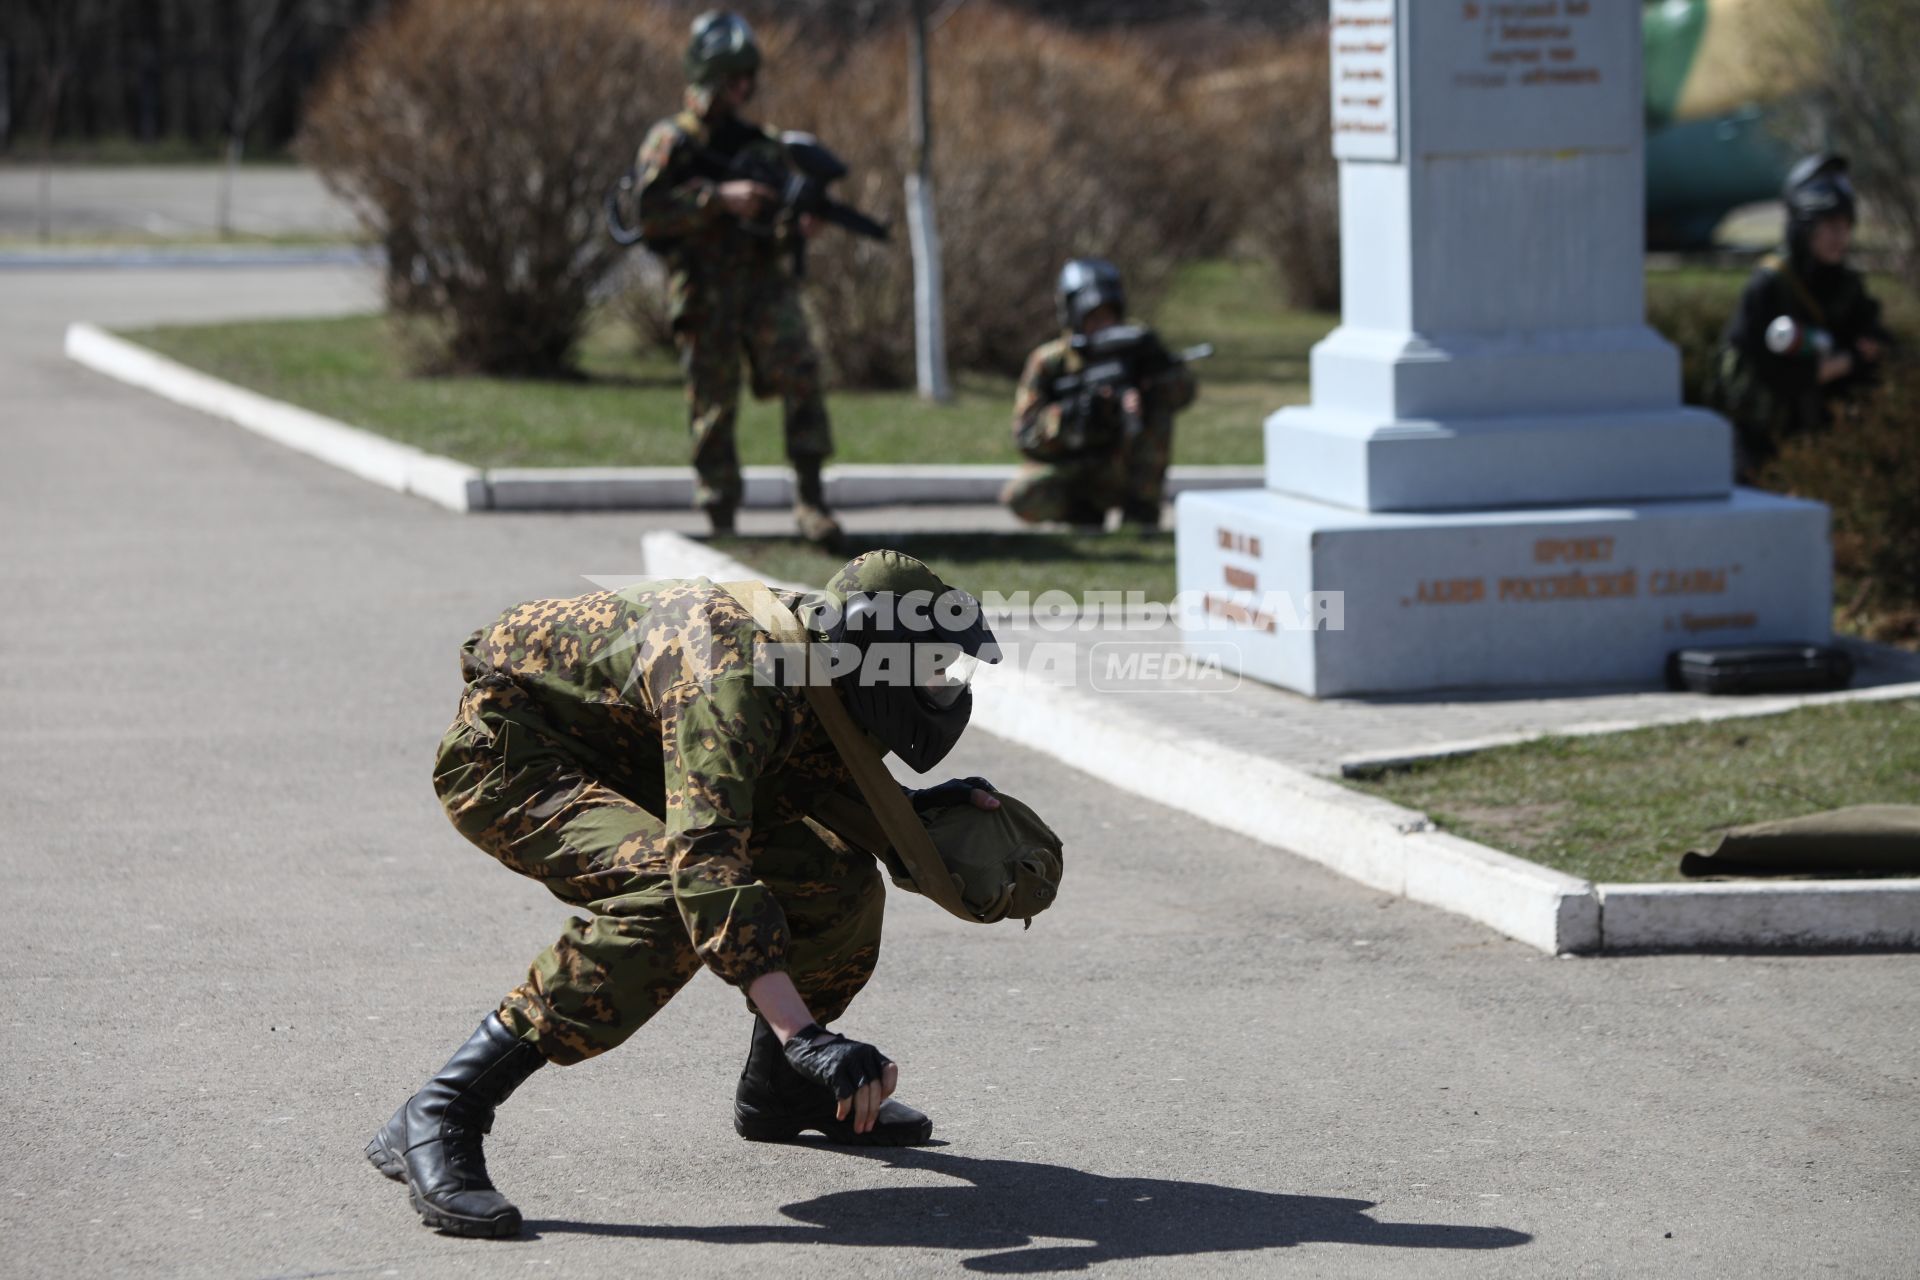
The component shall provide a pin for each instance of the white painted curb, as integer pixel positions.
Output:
(1379, 844)
(627, 488)
(399, 467)
(464, 488)
(1392, 849)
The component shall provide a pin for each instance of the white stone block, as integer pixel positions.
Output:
(1504, 460)
(1493, 599)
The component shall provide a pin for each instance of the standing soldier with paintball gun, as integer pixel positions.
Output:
(714, 200)
(1094, 411)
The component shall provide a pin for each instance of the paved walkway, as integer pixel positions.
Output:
(238, 931)
(1319, 735)
(168, 201)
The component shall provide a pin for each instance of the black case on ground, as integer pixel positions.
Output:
(1760, 668)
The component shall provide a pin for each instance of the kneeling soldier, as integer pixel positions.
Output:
(1095, 443)
(624, 749)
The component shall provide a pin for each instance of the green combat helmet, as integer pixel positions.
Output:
(722, 47)
(918, 642)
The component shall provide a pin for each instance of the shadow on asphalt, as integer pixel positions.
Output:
(1013, 1204)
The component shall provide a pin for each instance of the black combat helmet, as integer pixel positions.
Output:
(908, 645)
(722, 47)
(1816, 187)
(1086, 284)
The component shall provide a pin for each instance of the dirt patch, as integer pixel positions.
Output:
(1512, 828)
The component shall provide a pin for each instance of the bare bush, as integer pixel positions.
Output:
(1859, 57)
(476, 138)
(1867, 469)
(1269, 113)
(1048, 145)
(1691, 312)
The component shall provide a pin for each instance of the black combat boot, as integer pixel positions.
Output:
(720, 516)
(775, 1103)
(817, 524)
(1085, 517)
(433, 1141)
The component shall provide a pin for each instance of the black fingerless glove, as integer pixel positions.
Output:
(830, 1059)
(952, 791)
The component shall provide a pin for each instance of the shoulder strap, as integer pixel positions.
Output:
(1784, 269)
(897, 820)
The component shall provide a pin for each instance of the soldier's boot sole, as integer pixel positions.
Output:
(506, 1223)
(498, 1227)
(904, 1127)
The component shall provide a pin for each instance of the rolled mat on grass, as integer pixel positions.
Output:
(1863, 840)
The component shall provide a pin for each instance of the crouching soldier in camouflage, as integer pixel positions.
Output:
(623, 749)
(1807, 336)
(1094, 445)
(730, 289)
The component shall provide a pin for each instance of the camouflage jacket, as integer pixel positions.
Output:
(1041, 426)
(652, 689)
(1773, 396)
(677, 176)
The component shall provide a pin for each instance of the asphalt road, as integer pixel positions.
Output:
(168, 200)
(238, 933)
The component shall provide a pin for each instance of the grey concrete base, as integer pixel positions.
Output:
(1384, 846)
(1463, 463)
(1495, 599)
(1793, 913)
(464, 488)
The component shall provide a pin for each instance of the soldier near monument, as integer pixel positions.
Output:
(1806, 335)
(1096, 441)
(731, 290)
(624, 749)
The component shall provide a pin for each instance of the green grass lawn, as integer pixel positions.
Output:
(1625, 806)
(1004, 563)
(628, 409)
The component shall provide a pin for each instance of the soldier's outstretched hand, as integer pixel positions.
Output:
(859, 1075)
(953, 791)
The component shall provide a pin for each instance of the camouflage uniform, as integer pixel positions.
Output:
(617, 748)
(1773, 397)
(729, 291)
(1130, 474)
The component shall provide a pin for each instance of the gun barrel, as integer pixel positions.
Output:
(1200, 351)
(845, 215)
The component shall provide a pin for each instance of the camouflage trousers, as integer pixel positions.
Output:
(536, 811)
(1132, 477)
(761, 320)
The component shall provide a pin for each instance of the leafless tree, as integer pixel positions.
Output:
(1865, 103)
(63, 27)
(264, 33)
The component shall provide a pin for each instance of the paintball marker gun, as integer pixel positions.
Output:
(1119, 358)
(799, 180)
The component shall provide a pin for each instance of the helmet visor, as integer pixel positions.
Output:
(945, 673)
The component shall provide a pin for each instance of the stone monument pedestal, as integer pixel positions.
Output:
(1484, 599)
(1496, 473)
